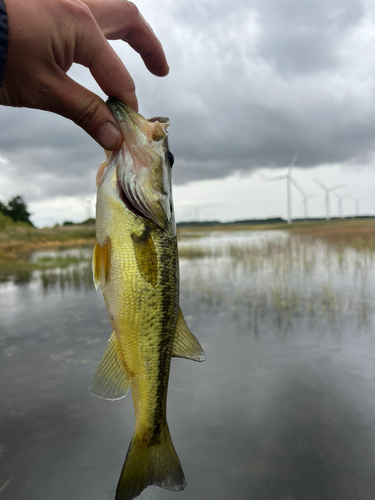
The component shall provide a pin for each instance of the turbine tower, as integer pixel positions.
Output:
(289, 181)
(328, 191)
(341, 197)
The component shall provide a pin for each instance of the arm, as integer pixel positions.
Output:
(45, 38)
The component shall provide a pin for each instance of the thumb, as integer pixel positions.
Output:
(86, 109)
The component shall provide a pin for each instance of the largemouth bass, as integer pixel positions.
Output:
(135, 262)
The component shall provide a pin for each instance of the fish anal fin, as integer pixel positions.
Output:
(185, 344)
(145, 255)
(101, 261)
(110, 380)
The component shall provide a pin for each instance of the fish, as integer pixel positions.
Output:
(135, 263)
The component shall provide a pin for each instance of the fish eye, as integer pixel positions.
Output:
(170, 158)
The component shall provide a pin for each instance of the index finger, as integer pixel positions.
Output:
(121, 20)
(93, 51)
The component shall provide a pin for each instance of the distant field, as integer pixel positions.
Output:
(19, 238)
(359, 233)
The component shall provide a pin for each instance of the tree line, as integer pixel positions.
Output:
(16, 209)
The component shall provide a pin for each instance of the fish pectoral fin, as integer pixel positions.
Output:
(111, 380)
(101, 259)
(145, 255)
(185, 344)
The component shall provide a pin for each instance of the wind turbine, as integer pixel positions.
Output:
(328, 191)
(341, 197)
(289, 181)
(304, 196)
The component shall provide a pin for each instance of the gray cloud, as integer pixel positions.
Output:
(251, 82)
(305, 37)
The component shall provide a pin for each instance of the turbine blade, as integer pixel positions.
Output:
(336, 187)
(320, 184)
(294, 159)
(297, 186)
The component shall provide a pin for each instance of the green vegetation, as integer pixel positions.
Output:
(22, 270)
(18, 238)
(16, 210)
(7, 222)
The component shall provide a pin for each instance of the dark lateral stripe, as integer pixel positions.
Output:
(170, 293)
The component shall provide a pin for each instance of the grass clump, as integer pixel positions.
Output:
(78, 277)
(194, 252)
(21, 271)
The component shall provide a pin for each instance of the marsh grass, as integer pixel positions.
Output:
(67, 271)
(324, 275)
(22, 270)
(77, 277)
(300, 277)
(194, 252)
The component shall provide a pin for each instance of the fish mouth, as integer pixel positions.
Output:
(140, 162)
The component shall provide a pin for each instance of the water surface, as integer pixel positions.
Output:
(283, 408)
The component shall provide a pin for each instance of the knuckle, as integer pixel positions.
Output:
(88, 114)
(77, 10)
(132, 9)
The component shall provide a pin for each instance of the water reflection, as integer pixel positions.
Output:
(282, 277)
(83, 252)
(282, 409)
(77, 277)
(19, 277)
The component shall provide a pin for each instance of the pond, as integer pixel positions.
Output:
(283, 408)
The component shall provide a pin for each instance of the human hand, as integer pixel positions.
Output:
(47, 36)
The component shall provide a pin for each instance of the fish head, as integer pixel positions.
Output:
(143, 164)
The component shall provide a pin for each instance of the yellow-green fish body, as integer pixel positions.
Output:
(136, 264)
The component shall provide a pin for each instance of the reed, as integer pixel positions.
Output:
(288, 279)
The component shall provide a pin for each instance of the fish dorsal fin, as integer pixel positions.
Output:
(145, 255)
(110, 380)
(101, 260)
(185, 344)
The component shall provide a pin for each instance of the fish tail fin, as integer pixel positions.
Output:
(150, 464)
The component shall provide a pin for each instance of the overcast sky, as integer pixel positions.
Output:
(251, 83)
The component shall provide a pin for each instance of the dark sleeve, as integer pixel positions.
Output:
(3, 39)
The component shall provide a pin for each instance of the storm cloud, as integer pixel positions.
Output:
(251, 82)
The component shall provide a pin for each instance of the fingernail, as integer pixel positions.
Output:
(109, 135)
